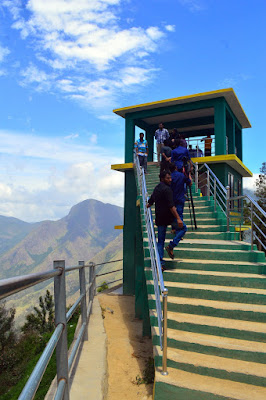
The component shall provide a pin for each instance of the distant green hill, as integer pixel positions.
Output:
(87, 233)
(12, 231)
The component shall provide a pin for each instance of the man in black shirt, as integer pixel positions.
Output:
(165, 213)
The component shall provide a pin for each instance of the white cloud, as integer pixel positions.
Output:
(249, 183)
(83, 51)
(3, 53)
(193, 5)
(72, 136)
(42, 178)
(170, 28)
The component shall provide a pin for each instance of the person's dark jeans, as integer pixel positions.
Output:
(143, 163)
(161, 240)
(180, 232)
(164, 165)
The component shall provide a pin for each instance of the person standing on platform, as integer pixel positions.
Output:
(208, 145)
(142, 151)
(165, 214)
(161, 135)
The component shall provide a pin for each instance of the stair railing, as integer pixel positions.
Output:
(58, 340)
(161, 292)
(209, 184)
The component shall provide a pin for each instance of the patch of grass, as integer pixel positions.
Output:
(147, 374)
(102, 287)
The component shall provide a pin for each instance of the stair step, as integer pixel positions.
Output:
(246, 330)
(214, 345)
(201, 244)
(183, 385)
(218, 265)
(214, 254)
(217, 367)
(218, 293)
(214, 308)
(226, 279)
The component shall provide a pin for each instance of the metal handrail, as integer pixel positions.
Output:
(225, 202)
(160, 291)
(58, 339)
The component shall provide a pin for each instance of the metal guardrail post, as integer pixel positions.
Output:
(214, 193)
(252, 228)
(228, 207)
(208, 184)
(165, 295)
(91, 282)
(197, 176)
(60, 318)
(83, 304)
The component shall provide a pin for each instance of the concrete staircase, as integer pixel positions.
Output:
(216, 311)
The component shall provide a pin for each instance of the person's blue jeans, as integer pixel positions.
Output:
(161, 240)
(180, 232)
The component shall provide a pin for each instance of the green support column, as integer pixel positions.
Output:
(129, 139)
(129, 233)
(220, 127)
(150, 139)
(230, 131)
(139, 296)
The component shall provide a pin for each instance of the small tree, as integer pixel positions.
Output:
(42, 319)
(7, 332)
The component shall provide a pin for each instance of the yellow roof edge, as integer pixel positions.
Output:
(222, 157)
(241, 107)
(122, 167)
(122, 111)
(175, 98)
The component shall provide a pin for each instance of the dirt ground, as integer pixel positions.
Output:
(127, 348)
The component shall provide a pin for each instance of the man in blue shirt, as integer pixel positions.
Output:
(178, 154)
(142, 151)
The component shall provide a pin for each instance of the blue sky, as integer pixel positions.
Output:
(66, 64)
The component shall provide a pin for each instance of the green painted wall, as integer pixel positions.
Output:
(220, 127)
(129, 139)
(129, 233)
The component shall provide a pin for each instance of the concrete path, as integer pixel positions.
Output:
(90, 372)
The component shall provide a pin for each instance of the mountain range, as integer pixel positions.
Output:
(87, 233)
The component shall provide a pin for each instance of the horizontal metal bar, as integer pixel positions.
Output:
(111, 272)
(108, 283)
(256, 215)
(260, 241)
(60, 390)
(74, 307)
(217, 180)
(256, 205)
(260, 231)
(76, 346)
(108, 262)
(16, 284)
(34, 380)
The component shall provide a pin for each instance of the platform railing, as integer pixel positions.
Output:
(161, 292)
(210, 185)
(58, 340)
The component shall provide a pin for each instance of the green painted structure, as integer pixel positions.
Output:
(216, 334)
(217, 113)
